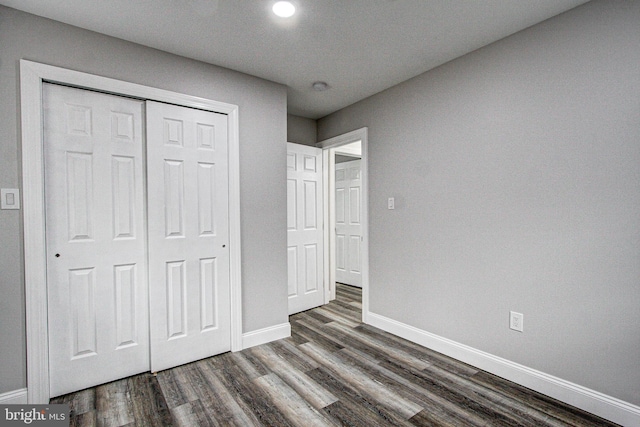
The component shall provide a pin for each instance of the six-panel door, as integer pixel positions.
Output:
(348, 212)
(95, 231)
(304, 227)
(188, 234)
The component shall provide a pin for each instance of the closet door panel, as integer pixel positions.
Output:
(188, 234)
(96, 262)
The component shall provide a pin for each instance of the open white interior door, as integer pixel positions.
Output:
(304, 227)
(189, 288)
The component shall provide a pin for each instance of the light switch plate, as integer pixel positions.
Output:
(10, 198)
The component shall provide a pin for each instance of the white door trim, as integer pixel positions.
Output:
(329, 189)
(32, 75)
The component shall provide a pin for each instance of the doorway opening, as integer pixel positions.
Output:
(346, 213)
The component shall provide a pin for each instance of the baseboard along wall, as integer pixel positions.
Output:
(15, 397)
(597, 403)
(265, 335)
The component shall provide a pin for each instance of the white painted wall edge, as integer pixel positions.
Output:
(597, 403)
(15, 397)
(266, 335)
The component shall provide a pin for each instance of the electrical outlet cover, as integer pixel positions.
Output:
(516, 321)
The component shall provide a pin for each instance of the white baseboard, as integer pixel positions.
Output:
(265, 335)
(592, 401)
(15, 397)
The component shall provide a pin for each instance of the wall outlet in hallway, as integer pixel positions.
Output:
(516, 321)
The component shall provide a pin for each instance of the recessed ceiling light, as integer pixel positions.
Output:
(320, 86)
(284, 9)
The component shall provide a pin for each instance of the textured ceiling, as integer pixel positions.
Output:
(359, 47)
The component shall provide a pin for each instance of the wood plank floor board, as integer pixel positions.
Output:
(350, 305)
(347, 292)
(222, 360)
(352, 408)
(426, 380)
(343, 339)
(85, 419)
(319, 316)
(291, 355)
(346, 308)
(112, 404)
(191, 414)
(80, 402)
(332, 371)
(176, 386)
(388, 353)
(251, 399)
(365, 386)
(340, 319)
(427, 418)
(307, 330)
(296, 338)
(224, 406)
(199, 377)
(291, 404)
(373, 354)
(555, 409)
(505, 405)
(343, 309)
(312, 392)
(172, 394)
(440, 408)
(251, 366)
(430, 356)
(147, 400)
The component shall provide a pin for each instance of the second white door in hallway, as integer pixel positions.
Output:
(348, 217)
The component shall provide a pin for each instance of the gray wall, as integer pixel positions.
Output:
(301, 130)
(516, 175)
(263, 133)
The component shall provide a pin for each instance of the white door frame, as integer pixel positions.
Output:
(329, 212)
(32, 76)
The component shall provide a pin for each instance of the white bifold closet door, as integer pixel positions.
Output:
(348, 223)
(133, 289)
(96, 242)
(304, 227)
(188, 234)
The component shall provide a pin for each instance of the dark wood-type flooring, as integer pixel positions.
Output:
(332, 371)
